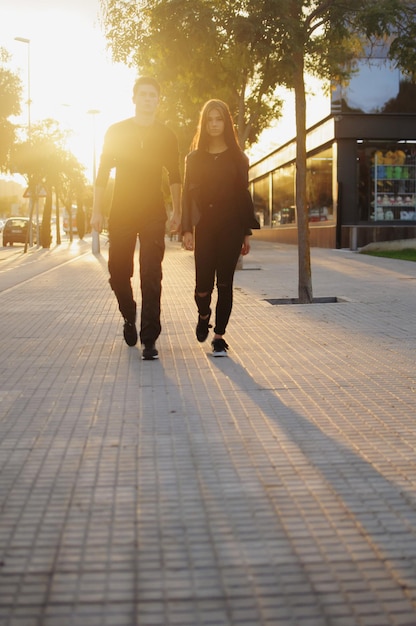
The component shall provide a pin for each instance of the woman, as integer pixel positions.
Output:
(218, 212)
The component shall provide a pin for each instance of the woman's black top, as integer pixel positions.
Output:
(216, 191)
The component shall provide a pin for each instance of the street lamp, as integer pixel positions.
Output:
(27, 42)
(95, 234)
(32, 200)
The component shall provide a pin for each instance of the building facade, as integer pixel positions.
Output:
(361, 166)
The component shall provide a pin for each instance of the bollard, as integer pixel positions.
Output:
(353, 239)
(95, 242)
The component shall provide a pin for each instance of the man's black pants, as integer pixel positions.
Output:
(121, 266)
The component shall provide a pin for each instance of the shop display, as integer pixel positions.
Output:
(393, 186)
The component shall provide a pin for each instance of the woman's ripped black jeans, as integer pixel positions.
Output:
(217, 250)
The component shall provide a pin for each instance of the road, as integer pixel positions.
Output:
(17, 266)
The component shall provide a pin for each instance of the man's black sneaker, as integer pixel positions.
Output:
(202, 328)
(149, 352)
(219, 347)
(130, 333)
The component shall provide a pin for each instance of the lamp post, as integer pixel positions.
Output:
(27, 42)
(32, 200)
(95, 234)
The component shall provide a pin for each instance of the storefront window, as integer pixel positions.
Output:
(387, 181)
(319, 177)
(319, 186)
(376, 86)
(284, 211)
(261, 200)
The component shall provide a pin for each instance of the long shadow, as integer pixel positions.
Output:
(384, 511)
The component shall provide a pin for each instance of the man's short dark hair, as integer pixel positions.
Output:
(146, 80)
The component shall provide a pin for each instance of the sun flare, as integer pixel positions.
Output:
(60, 52)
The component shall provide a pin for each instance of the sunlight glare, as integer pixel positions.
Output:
(70, 70)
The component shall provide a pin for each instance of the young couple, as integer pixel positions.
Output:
(217, 212)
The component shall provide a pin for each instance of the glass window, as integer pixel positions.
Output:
(387, 181)
(284, 211)
(377, 87)
(319, 196)
(319, 186)
(261, 200)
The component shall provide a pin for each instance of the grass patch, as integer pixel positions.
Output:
(408, 254)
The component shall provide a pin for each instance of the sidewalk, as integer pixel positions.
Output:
(274, 487)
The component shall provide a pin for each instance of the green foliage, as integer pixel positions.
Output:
(198, 49)
(44, 160)
(10, 95)
(240, 50)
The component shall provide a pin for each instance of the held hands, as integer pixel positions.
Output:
(175, 223)
(188, 241)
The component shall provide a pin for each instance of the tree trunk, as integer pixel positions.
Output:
(58, 219)
(241, 124)
(304, 253)
(46, 237)
(68, 207)
(80, 221)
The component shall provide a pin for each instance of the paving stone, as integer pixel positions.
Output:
(275, 487)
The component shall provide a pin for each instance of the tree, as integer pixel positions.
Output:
(45, 161)
(10, 95)
(198, 49)
(324, 38)
(240, 50)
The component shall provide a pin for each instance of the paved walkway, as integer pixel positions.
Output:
(275, 487)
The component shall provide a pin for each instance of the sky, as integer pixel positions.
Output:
(71, 71)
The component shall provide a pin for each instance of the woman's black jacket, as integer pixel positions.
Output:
(192, 202)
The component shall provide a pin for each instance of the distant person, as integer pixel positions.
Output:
(218, 211)
(139, 148)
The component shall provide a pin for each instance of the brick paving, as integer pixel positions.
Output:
(275, 487)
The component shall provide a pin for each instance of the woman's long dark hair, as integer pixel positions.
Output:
(201, 138)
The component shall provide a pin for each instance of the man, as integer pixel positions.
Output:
(139, 148)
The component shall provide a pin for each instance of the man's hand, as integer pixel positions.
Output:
(188, 241)
(176, 194)
(175, 223)
(97, 222)
(97, 218)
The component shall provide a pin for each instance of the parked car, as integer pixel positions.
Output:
(15, 230)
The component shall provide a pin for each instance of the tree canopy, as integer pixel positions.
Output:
(10, 96)
(240, 50)
(44, 158)
(199, 49)
(45, 162)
